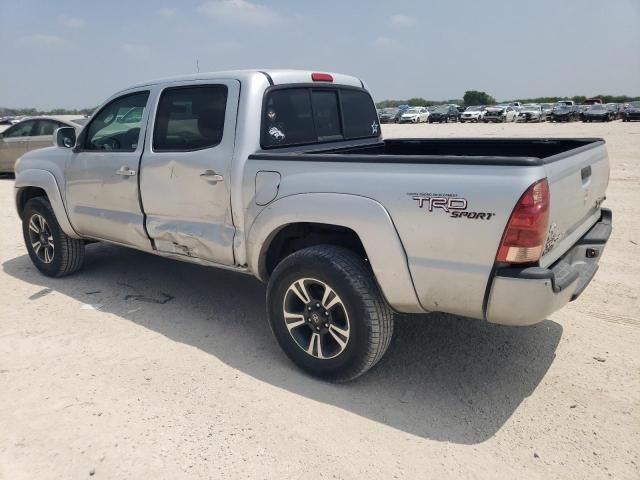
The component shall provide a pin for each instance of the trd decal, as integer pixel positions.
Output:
(450, 203)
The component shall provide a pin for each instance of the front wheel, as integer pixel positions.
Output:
(327, 312)
(51, 250)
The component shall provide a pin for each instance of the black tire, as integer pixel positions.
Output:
(369, 318)
(67, 253)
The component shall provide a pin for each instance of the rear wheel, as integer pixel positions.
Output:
(51, 250)
(327, 312)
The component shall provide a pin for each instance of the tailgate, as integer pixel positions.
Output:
(577, 183)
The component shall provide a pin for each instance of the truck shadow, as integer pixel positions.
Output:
(445, 378)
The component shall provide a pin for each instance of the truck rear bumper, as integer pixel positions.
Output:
(524, 296)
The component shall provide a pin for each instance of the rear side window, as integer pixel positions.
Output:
(305, 115)
(190, 118)
(46, 127)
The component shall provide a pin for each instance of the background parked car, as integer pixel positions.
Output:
(389, 115)
(581, 110)
(472, 114)
(31, 134)
(613, 110)
(530, 112)
(631, 112)
(414, 115)
(565, 113)
(597, 113)
(547, 108)
(499, 113)
(444, 113)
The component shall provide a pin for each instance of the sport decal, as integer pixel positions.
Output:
(450, 204)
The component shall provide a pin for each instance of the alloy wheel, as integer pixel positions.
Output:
(316, 318)
(41, 238)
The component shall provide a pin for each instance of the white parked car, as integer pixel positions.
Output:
(500, 113)
(472, 114)
(415, 115)
(531, 112)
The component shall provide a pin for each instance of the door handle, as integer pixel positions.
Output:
(126, 172)
(211, 176)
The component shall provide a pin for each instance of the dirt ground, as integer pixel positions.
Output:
(141, 367)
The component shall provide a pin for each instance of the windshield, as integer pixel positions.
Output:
(530, 106)
(634, 104)
(305, 115)
(473, 109)
(389, 111)
(597, 107)
(412, 110)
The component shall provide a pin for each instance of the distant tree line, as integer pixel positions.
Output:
(14, 112)
(415, 102)
(475, 97)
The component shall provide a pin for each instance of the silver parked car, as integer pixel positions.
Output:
(30, 134)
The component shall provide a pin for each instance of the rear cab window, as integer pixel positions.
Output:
(307, 115)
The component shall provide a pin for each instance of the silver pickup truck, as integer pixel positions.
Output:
(285, 175)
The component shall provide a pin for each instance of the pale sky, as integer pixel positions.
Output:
(72, 53)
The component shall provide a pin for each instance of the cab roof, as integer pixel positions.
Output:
(273, 76)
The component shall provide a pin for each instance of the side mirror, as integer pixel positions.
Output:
(65, 137)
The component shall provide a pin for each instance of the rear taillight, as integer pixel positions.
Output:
(321, 77)
(524, 238)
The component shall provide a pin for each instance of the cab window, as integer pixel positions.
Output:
(115, 127)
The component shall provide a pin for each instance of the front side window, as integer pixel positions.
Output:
(22, 129)
(113, 127)
(190, 118)
(306, 115)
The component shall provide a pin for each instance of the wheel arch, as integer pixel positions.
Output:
(340, 219)
(41, 183)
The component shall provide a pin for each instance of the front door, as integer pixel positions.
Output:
(186, 170)
(102, 173)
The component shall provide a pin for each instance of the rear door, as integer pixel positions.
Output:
(186, 170)
(102, 173)
(578, 181)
